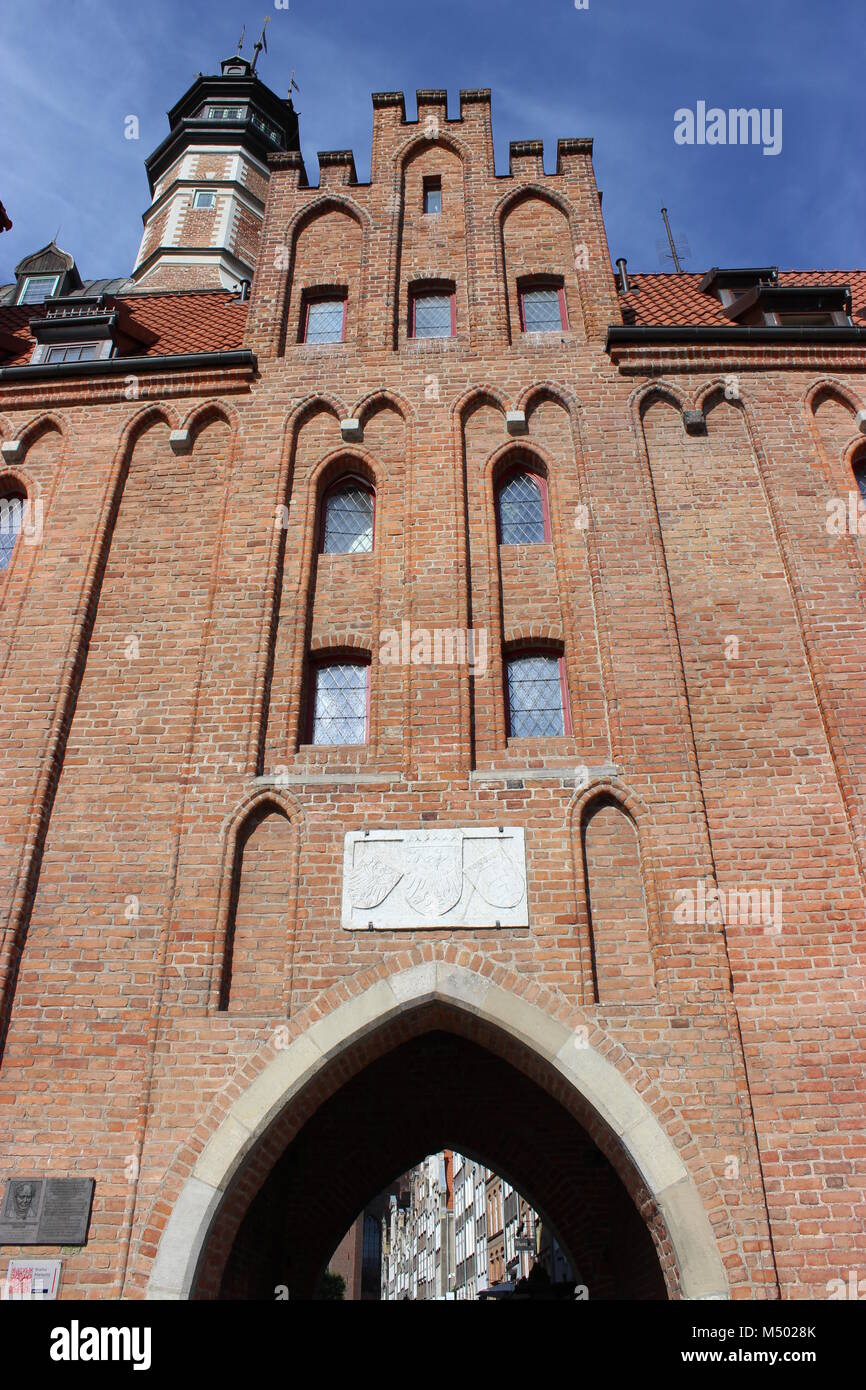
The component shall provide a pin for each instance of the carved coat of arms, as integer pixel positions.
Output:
(438, 877)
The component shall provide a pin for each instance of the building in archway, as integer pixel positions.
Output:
(433, 693)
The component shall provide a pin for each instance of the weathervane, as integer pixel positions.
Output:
(261, 43)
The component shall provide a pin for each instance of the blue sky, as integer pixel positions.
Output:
(72, 70)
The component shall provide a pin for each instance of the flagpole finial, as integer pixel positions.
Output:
(241, 41)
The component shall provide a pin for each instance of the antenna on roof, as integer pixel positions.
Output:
(293, 84)
(669, 251)
(260, 43)
(241, 41)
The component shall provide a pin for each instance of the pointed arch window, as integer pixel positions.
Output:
(522, 513)
(537, 695)
(860, 475)
(11, 520)
(348, 518)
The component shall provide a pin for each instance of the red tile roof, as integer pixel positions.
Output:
(183, 320)
(212, 321)
(671, 300)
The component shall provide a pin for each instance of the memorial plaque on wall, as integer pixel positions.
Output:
(46, 1211)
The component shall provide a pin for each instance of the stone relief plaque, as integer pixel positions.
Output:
(46, 1211)
(400, 879)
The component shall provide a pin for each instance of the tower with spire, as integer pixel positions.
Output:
(208, 180)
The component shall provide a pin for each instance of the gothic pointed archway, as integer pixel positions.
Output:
(432, 1056)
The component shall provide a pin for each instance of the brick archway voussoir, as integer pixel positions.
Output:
(597, 1080)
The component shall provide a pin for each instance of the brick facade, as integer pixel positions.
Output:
(172, 849)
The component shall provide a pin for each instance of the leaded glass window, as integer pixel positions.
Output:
(339, 703)
(432, 315)
(348, 528)
(324, 323)
(542, 310)
(11, 518)
(535, 708)
(521, 510)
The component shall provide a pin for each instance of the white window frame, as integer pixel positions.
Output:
(22, 298)
(205, 193)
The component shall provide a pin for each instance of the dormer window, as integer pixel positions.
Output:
(74, 352)
(37, 288)
(85, 328)
(822, 320)
(754, 297)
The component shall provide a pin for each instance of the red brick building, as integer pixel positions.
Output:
(242, 527)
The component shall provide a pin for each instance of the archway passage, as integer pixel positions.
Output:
(292, 1200)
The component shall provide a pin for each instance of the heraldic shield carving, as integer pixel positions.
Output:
(400, 879)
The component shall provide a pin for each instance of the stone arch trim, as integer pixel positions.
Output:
(600, 1075)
